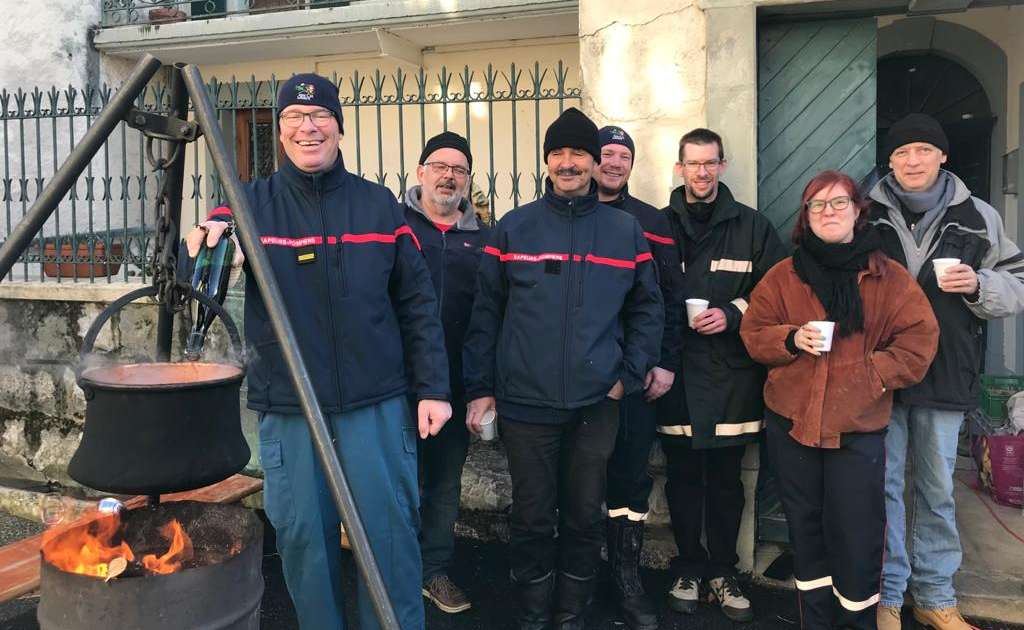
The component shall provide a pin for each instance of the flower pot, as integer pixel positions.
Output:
(100, 267)
(166, 15)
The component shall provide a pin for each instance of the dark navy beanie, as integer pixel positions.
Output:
(310, 89)
(616, 135)
(916, 128)
(573, 130)
(447, 140)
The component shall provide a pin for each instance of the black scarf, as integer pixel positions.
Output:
(831, 271)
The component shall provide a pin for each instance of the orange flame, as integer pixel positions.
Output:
(179, 551)
(89, 549)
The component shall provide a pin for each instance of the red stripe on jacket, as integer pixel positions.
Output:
(663, 240)
(371, 237)
(591, 258)
(219, 211)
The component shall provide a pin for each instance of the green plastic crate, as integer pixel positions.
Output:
(995, 391)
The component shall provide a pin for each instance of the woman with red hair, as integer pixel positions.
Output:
(828, 408)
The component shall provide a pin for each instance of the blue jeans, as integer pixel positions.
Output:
(441, 458)
(377, 448)
(929, 437)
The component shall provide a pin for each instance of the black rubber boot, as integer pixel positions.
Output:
(574, 595)
(533, 601)
(625, 540)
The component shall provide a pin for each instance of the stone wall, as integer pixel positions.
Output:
(41, 408)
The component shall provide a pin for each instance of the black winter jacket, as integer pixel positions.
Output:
(356, 289)
(665, 250)
(453, 258)
(717, 400)
(567, 304)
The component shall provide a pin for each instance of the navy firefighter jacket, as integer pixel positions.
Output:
(355, 287)
(567, 304)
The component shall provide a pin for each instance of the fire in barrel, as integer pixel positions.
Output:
(174, 566)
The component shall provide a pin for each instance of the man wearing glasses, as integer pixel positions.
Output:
(927, 216)
(364, 312)
(715, 407)
(452, 238)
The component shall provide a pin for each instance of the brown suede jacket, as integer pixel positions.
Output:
(850, 389)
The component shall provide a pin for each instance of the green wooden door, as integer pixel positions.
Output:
(815, 111)
(816, 108)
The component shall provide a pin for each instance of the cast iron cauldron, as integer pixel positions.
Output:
(154, 428)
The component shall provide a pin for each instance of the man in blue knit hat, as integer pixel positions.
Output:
(365, 316)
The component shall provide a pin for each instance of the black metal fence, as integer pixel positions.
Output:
(101, 231)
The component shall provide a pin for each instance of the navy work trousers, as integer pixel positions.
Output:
(377, 448)
(629, 482)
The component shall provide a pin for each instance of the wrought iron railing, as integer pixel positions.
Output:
(125, 12)
(102, 230)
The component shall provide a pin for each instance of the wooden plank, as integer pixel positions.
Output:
(823, 45)
(799, 156)
(852, 152)
(816, 108)
(837, 71)
(774, 55)
(19, 561)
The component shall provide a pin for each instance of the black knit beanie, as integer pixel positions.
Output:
(310, 89)
(616, 135)
(447, 140)
(573, 130)
(916, 128)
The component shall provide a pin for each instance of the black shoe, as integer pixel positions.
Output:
(734, 603)
(625, 541)
(684, 595)
(574, 595)
(534, 602)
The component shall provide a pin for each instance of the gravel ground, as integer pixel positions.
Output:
(13, 528)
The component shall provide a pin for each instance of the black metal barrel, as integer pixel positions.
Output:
(222, 596)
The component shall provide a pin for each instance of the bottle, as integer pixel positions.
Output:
(210, 277)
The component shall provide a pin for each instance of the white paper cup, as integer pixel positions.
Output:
(826, 329)
(942, 264)
(695, 307)
(488, 426)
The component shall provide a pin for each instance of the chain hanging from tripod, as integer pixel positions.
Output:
(176, 130)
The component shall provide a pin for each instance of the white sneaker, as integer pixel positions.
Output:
(734, 603)
(683, 595)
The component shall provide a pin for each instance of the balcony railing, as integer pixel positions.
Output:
(127, 12)
(102, 230)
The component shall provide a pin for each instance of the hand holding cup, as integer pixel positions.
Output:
(812, 339)
(954, 276)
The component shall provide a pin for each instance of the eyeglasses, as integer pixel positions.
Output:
(440, 168)
(320, 118)
(817, 206)
(711, 166)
